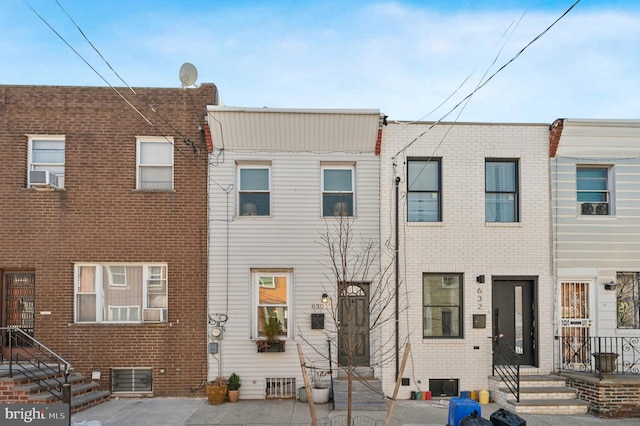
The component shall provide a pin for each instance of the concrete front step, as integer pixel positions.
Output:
(549, 406)
(540, 394)
(545, 392)
(365, 395)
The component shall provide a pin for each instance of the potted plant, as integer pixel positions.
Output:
(320, 391)
(233, 385)
(605, 362)
(217, 390)
(271, 342)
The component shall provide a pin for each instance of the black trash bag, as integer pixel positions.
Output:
(504, 417)
(474, 420)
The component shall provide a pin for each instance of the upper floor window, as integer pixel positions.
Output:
(338, 195)
(46, 161)
(442, 305)
(118, 293)
(628, 299)
(254, 194)
(593, 194)
(423, 190)
(271, 290)
(501, 191)
(155, 163)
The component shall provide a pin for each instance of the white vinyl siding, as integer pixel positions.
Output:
(289, 239)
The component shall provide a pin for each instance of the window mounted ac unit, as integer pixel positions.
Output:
(43, 178)
(154, 315)
(600, 209)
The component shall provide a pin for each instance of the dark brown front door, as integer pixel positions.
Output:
(19, 289)
(353, 317)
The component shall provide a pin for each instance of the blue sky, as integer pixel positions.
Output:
(405, 58)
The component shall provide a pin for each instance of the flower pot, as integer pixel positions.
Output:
(302, 394)
(216, 394)
(605, 362)
(233, 395)
(320, 395)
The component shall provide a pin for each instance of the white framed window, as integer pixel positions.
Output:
(338, 190)
(254, 189)
(424, 190)
(120, 293)
(593, 192)
(46, 154)
(154, 161)
(117, 276)
(501, 190)
(272, 295)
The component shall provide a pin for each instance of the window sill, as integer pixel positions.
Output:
(154, 190)
(426, 224)
(503, 224)
(435, 341)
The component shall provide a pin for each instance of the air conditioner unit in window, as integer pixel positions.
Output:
(154, 315)
(594, 209)
(43, 178)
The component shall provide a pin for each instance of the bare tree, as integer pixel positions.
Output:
(353, 264)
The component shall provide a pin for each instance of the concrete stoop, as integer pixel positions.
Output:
(539, 394)
(24, 389)
(366, 392)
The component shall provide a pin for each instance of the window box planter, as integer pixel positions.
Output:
(265, 346)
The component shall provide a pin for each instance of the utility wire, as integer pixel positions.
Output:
(485, 82)
(119, 93)
(186, 140)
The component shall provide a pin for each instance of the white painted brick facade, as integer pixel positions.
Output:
(464, 243)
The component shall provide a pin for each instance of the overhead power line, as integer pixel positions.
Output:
(485, 82)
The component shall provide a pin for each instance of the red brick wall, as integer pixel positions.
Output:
(100, 217)
(616, 398)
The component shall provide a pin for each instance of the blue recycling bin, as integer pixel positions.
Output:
(460, 408)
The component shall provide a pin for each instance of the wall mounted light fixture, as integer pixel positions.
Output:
(325, 297)
(480, 279)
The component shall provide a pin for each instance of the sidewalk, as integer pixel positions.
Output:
(193, 411)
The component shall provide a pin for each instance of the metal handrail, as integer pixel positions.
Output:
(41, 360)
(600, 356)
(506, 364)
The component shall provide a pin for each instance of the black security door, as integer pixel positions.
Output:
(514, 317)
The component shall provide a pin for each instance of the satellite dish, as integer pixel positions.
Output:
(188, 74)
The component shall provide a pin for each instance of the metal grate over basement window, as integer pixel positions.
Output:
(280, 388)
(131, 380)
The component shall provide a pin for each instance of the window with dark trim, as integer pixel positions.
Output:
(424, 190)
(442, 305)
(501, 190)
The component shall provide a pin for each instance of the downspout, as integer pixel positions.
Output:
(397, 245)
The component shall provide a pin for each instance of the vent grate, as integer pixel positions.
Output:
(280, 388)
(131, 380)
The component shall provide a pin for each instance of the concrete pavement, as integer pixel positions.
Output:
(196, 411)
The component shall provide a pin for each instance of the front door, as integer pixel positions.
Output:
(353, 322)
(575, 323)
(19, 289)
(514, 311)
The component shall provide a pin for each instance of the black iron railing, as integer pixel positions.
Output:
(24, 355)
(600, 355)
(506, 365)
